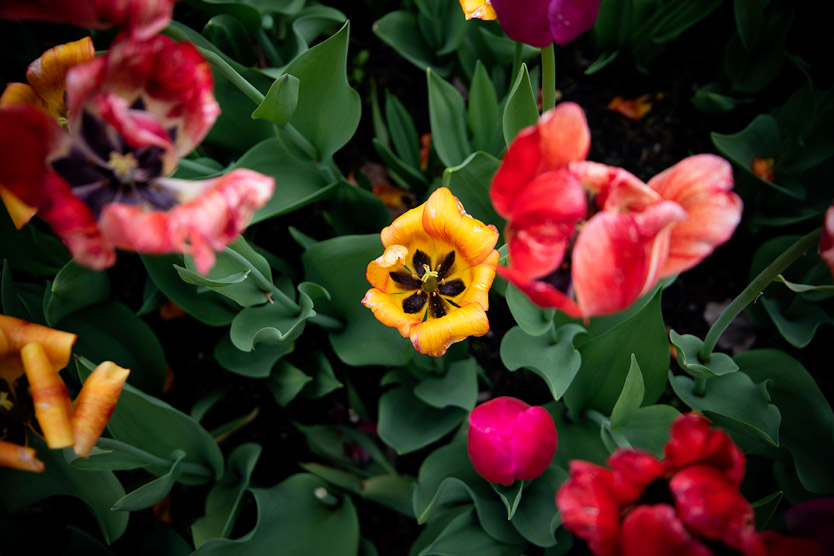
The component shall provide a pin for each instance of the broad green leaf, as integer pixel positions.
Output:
(298, 182)
(112, 455)
(235, 130)
(765, 507)
(229, 35)
(463, 537)
(286, 381)
(225, 498)
(470, 183)
(330, 442)
(446, 117)
(735, 402)
(537, 510)
(606, 359)
(483, 111)
(154, 426)
(534, 320)
(552, 356)
(357, 211)
(520, 110)
(798, 322)
(150, 493)
(407, 424)
(752, 71)
(457, 388)
(257, 363)
(807, 419)
(711, 100)
(405, 175)
(688, 348)
(404, 137)
(328, 108)
(74, 288)
(631, 397)
(399, 30)
(803, 288)
(391, 490)
(648, 428)
(29, 249)
(335, 264)
(280, 101)
(324, 379)
(97, 489)
(292, 517)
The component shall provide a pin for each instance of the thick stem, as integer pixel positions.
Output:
(700, 387)
(754, 289)
(548, 78)
(229, 73)
(597, 417)
(263, 283)
(327, 322)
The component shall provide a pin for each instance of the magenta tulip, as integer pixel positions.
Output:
(542, 22)
(510, 440)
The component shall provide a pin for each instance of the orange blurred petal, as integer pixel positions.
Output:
(633, 109)
(56, 343)
(434, 336)
(21, 93)
(49, 394)
(94, 405)
(762, 168)
(47, 75)
(478, 9)
(20, 212)
(19, 457)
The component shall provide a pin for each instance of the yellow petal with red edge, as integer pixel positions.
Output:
(389, 311)
(56, 343)
(478, 9)
(20, 212)
(434, 336)
(405, 229)
(94, 405)
(379, 269)
(444, 219)
(49, 394)
(19, 457)
(47, 75)
(479, 282)
(21, 93)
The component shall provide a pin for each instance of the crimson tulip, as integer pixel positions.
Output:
(509, 439)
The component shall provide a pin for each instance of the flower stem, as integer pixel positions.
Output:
(327, 322)
(269, 48)
(597, 417)
(186, 467)
(548, 78)
(263, 283)
(229, 73)
(754, 289)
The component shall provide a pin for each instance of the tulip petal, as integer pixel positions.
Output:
(533, 443)
(478, 9)
(21, 93)
(443, 218)
(478, 281)
(527, 23)
(47, 75)
(519, 166)
(434, 336)
(541, 293)
(94, 405)
(656, 531)
(389, 311)
(19, 211)
(692, 441)
(56, 344)
(570, 18)
(19, 457)
(49, 394)
(633, 471)
(702, 185)
(588, 506)
(565, 136)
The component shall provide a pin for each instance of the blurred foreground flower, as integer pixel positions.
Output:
(432, 282)
(40, 353)
(689, 504)
(827, 239)
(139, 19)
(537, 22)
(131, 114)
(634, 108)
(510, 440)
(611, 251)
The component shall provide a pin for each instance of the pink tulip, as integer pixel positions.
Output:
(510, 440)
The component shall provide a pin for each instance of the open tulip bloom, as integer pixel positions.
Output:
(583, 230)
(130, 114)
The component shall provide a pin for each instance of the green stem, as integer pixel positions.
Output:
(197, 167)
(700, 387)
(548, 78)
(754, 289)
(232, 75)
(262, 282)
(303, 143)
(597, 417)
(186, 467)
(269, 48)
(327, 322)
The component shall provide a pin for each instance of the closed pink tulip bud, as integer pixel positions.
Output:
(510, 440)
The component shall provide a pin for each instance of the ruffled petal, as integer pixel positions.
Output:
(389, 311)
(526, 23)
(693, 441)
(443, 218)
(56, 344)
(702, 185)
(633, 471)
(656, 531)
(570, 18)
(19, 457)
(138, 127)
(589, 507)
(378, 272)
(518, 168)
(541, 293)
(141, 19)
(47, 75)
(21, 93)
(405, 229)
(434, 336)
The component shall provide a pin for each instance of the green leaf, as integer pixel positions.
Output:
(229, 35)
(257, 363)
(324, 379)
(631, 396)
(552, 356)
(688, 348)
(520, 110)
(470, 183)
(463, 537)
(803, 288)
(224, 501)
(328, 108)
(403, 133)
(457, 388)
(150, 493)
(735, 402)
(534, 320)
(709, 99)
(404, 174)
(483, 111)
(97, 489)
(648, 428)
(749, 21)
(510, 495)
(446, 117)
(807, 419)
(399, 30)
(765, 507)
(752, 71)
(207, 306)
(246, 14)
(112, 332)
(30, 250)
(280, 101)
(74, 288)
(335, 264)
(111, 455)
(798, 322)
(535, 514)
(330, 442)
(286, 381)
(606, 359)
(154, 426)
(408, 424)
(391, 490)
(291, 517)
(299, 182)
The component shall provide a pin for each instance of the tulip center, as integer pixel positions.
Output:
(435, 284)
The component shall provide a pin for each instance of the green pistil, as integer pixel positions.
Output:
(429, 279)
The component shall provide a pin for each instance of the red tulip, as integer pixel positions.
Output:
(510, 440)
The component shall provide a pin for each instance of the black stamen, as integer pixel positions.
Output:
(418, 260)
(414, 302)
(405, 280)
(437, 306)
(445, 265)
(452, 288)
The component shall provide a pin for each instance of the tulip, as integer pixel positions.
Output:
(543, 22)
(510, 440)
(827, 239)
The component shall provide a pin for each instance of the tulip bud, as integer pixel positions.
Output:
(94, 405)
(510, 440)
(19, 457)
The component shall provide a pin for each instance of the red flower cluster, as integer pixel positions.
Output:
(687, 505)
(614, 248)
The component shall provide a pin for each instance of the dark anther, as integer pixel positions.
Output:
(445, 265)
(452, 287)
(414, 302)
(657, 492)
(405, 279)
(418, 260)
(437, 307)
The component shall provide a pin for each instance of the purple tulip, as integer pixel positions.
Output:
(542, 22)
(510, 440)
